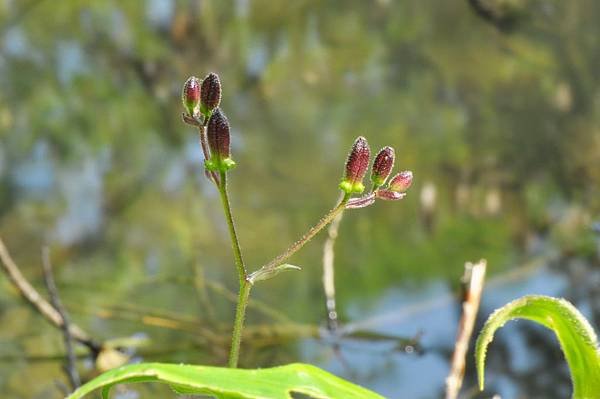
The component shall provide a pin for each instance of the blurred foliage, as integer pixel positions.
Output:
(500, 127)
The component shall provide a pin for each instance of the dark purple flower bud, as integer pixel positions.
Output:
(190, 95)
(401, 182)
(356, 167)
(382, 166)
(389, 195)
(217, 133)
(210, 93)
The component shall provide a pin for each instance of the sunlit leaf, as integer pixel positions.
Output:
(577, 338)
(223, 383)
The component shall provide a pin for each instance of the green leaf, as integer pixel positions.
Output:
(224, 383)
(265, 274)
(577, 338)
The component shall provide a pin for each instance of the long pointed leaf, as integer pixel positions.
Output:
(577, 338)
(223, 383)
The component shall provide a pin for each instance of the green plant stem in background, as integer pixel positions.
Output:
(295, 247)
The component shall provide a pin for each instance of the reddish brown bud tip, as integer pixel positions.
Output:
(382, 166)
(401, 182)
(210, 93)
(356, 166)
(217, 133)
(190, 95)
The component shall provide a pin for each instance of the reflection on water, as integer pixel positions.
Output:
(433, 312)
(499, 127)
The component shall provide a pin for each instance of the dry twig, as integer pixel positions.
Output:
(328, 273)
(71, 366)
(473, 283)
(31, 295)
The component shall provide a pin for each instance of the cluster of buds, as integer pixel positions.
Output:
(201, 98)
(201, 102)
(357, 165)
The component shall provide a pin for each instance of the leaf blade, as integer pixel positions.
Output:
(223, 383)
(575, 335)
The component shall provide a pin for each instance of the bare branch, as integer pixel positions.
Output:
(473, 283)
(329, 273)
(32, 296)
(71, 366)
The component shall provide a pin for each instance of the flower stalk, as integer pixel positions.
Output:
(245, 285)
(238, 323)
(235, 243)
(201, 101)
(295, 247)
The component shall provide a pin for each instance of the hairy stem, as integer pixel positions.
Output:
(295, 247)
(238, 325)
(244, 293)
(235, 243)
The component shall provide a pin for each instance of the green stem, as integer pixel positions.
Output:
(295, 247)
(235, 243)
(240, 314)
(244, 293)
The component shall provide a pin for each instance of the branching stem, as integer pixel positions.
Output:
(295, 247)
(245, 280)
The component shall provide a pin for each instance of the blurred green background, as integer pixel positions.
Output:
(493, 104)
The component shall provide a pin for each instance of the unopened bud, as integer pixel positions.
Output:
(190, 95)
(211, 93)
(382, 166)
(356, 167)
(217, 133)
(401, 182)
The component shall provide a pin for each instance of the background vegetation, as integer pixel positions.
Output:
(497, 116)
